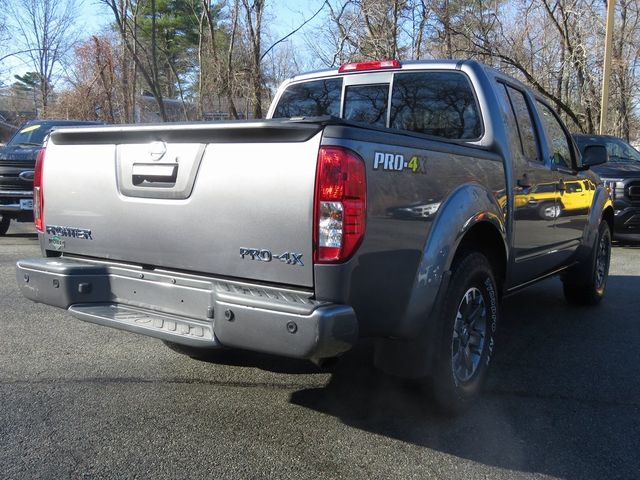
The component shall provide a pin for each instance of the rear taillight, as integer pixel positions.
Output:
(340, 204)
(38, 197)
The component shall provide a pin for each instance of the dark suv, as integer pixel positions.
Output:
(621, 174)
(17, 160)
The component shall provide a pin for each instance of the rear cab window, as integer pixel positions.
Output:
(310, 99)
(367, 104)
(441, 104)
(436, 103)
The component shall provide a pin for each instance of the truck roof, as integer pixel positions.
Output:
(406, 65)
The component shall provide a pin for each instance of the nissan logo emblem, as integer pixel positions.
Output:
(157, 150)
(26, 176)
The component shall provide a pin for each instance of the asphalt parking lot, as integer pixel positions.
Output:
(83, 401)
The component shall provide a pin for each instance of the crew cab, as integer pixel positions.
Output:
(297, 235)
(17, 160)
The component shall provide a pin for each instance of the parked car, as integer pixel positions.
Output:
(284, 235)
(547, 201)
(17, 160)
(621, 174)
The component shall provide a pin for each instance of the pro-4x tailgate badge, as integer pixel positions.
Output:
(263, 255)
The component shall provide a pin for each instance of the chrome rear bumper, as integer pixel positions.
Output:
(191, 309)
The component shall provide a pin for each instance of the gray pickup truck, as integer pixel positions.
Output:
(387, 200)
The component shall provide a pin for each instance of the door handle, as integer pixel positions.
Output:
(149, 174)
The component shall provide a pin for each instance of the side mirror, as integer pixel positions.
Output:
(594, 155)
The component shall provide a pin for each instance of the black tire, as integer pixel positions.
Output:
(4, 224)
(200, 353)
(587, 283)
(454, 385)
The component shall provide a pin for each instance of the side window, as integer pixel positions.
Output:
(559, 144)
(310, 99)
(525, 125)
(367, 104)
(573, 187)
(435, 103)
(513, 127)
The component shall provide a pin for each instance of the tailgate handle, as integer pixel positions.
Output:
(154, 175)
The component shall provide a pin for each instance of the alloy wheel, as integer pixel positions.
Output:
(469, 333)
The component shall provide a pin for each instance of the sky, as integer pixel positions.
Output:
(290, 14)
(282, 17)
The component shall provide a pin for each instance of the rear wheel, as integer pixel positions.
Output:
(586, 284)
(4, 224)
(466, 337)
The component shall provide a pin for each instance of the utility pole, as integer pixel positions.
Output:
(606, 71)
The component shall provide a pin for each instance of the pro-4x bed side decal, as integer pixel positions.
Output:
(395, 162)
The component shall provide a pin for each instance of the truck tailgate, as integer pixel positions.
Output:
(188, 197)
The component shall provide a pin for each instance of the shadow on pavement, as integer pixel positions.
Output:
(563, 398)
(263, 361)
(30, 236)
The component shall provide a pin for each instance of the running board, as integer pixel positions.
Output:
(155, 324)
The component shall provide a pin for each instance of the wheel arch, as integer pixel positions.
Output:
(407, 356)
(601, 209)
(607, 216)
(484, 237)
(471, 217)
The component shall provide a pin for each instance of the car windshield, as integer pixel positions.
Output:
(620, 151)
(30, 135)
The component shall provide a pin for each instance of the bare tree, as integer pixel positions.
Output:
(96, 76)
(125, 13)
(626, 81)
(386, 29)
(253, 23)
(332, 44)
(3, 34)
(4, 37)
(419, 15)
(46, 30)
(216, 49)
(554, 45)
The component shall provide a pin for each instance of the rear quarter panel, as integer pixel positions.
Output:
(400, 261)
